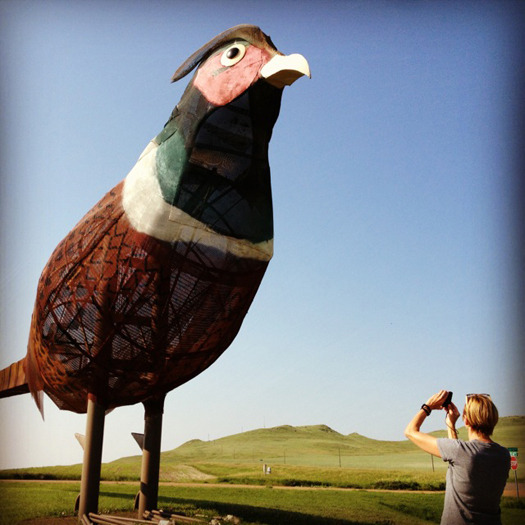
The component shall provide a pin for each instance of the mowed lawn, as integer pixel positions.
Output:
(254, 505)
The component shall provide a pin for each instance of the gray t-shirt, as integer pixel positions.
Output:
(476, 477)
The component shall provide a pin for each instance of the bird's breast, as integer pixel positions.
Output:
(148, 212)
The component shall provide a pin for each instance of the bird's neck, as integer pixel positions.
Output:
(212, 163)
(206, 181)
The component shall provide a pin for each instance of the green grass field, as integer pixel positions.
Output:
(315, 460)
(255, 506)
(313, 455)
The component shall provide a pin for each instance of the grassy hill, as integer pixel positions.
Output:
(307, 455)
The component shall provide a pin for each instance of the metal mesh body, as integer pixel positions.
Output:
(126, 317)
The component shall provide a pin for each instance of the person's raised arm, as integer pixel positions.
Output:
(424, 441)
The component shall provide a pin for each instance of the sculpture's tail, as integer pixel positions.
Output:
(13, 380)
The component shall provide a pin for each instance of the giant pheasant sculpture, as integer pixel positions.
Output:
(152, 285)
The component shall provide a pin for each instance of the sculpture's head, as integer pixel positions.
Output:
(235, 60)
(212, 161)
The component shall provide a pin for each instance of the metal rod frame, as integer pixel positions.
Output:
(90, 483)
(149, 476)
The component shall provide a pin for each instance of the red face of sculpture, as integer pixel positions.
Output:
(230, 72)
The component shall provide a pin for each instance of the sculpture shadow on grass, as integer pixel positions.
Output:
(269, 516)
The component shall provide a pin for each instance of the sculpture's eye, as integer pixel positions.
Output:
(233, 54)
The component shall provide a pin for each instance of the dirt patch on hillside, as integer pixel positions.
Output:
(185, 474)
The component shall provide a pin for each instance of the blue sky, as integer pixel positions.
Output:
(394, 181)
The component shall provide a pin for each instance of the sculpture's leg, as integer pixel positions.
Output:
(90, 483)
(149, 476)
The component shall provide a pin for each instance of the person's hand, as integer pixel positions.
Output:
(450, 420)
(452, 415)
(436, 401)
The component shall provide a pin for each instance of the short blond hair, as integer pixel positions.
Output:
(480, 413)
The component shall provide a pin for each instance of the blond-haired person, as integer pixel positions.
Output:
(478, 468)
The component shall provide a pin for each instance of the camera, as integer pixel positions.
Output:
(448, 400)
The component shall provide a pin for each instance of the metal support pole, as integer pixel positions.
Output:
(90, 484)
(149, 476)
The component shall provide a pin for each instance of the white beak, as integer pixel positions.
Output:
(284, 70)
